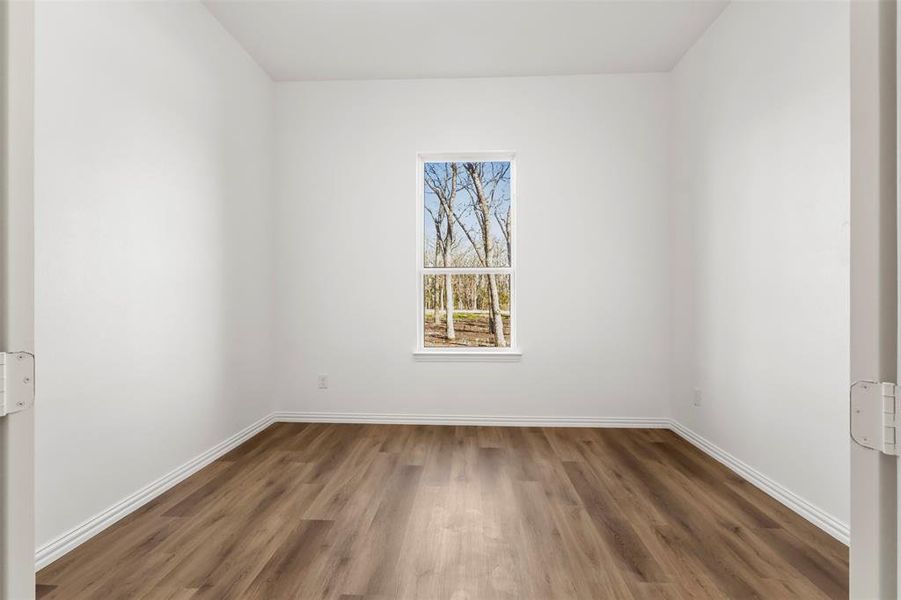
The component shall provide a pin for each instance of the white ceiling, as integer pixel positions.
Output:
(336, 39)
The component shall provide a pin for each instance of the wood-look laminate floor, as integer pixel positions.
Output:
(390, 511)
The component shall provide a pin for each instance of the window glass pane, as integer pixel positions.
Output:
(466, 214)
(474, 316)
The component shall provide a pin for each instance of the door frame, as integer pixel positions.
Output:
(17, 539)
(874, 284)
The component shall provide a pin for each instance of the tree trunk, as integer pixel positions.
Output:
(449, 288)
(497, 319)
(490, 316)
(436, 300)
(436, 318)
(508, 236)
(450, 334)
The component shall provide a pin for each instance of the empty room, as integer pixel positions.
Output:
(449, 299)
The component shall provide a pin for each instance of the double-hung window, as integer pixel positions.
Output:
(466, 254)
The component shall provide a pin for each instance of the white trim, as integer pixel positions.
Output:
(76, 536)
(816, 515)
(486, 420)
(489, 156)
(462, 355)
(53, 550)
(467, 271)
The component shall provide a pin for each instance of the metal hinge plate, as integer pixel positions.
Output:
(874, 409)
(16, 382)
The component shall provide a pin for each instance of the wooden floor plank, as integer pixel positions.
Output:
(347, 512)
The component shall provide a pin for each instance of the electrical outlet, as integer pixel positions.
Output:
(323, 382)
(697, 397)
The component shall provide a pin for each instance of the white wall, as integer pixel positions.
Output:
(153, 248)
(592, 282)
(760, 188)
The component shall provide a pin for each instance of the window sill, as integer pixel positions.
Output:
(467, 356)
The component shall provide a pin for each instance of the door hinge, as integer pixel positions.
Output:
(16, 382)
(874, 411)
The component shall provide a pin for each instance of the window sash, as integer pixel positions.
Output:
(512, 343)
(467, 270)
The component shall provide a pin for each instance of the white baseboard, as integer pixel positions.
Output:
(486, 420)
(76, 536)
(819, 517)
(51, 551)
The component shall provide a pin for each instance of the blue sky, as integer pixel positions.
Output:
(466, 215)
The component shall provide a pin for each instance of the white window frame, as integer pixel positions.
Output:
(421, 352)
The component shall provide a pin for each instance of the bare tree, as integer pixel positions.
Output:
(437, 218)
(482, 188)
(505, 225)
(441, 179)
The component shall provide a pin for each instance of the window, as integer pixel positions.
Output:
(467, 254)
